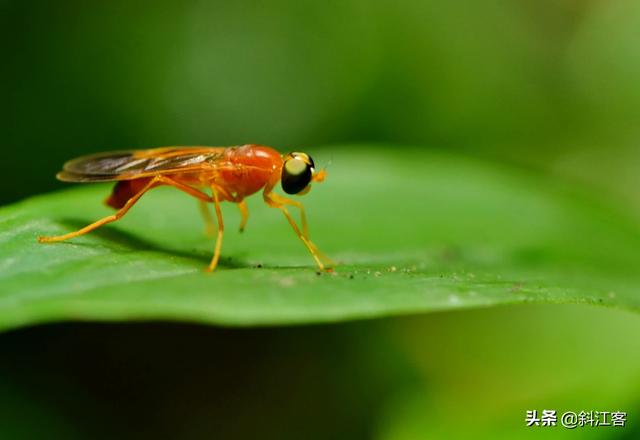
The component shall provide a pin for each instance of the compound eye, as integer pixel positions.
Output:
(296, 175)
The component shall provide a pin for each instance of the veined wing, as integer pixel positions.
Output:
(127, 165)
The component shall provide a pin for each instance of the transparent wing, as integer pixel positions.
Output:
(127, 165)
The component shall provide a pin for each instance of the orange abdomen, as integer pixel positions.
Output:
(124, 190)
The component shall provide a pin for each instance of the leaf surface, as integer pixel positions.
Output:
(412, 232)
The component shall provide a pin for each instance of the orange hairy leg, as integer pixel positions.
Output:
(303, 217)
(244, 212)
(277, 202)
(209, 224)
(216, 252)
(156, 181)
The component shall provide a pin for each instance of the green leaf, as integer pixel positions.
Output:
(412, 231)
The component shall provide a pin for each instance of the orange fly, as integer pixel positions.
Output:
(230, 173)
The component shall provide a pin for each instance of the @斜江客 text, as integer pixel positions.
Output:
(571, 419)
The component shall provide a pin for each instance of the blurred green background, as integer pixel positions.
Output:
(551, 84)
(548, 85)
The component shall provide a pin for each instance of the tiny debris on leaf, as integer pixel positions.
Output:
(287, 282)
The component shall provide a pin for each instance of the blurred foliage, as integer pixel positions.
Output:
(545, 83)
(463, 375)
(481, 371)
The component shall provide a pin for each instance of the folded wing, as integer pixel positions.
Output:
(135, 164)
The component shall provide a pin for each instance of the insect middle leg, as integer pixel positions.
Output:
(156, 181)
(209, 224)
(216, 252)
(244, 212)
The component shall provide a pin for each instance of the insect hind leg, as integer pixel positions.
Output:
(103, 221)
(156, 181)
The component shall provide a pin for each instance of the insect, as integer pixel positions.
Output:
(229, 173)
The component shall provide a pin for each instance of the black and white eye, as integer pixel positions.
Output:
(297, 171)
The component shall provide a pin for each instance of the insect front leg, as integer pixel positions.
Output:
(312, 248)
(303, 216)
